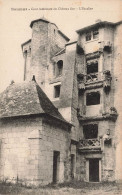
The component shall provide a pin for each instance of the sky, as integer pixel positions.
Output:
(68, 15)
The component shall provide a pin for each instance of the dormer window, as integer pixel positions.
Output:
(95, 33)
(88, 36)
(25, 53)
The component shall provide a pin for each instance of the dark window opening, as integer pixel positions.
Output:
(88, 36)
(108, 142)
(54, 68)
(72, 165)
(79, 50)
(56, 161)
(92, 68)
(95, 33)
(59, 68)
(57, 91)
(25, 53)
(90, 131)
(92, 98)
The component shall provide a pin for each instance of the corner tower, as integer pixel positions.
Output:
(46, 41)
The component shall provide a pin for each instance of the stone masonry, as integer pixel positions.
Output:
(64, 121)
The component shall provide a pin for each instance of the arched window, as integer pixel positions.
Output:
(59, 68)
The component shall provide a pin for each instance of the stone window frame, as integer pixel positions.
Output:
(91, 124)
(93, 63)
(99, 102)
(100, 90)
(88, 36)
(59, 68)
(57, 91)
(92, 34)
(96, 33)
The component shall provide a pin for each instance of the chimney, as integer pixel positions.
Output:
(98, 20)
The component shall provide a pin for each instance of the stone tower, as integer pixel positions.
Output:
(46, 41)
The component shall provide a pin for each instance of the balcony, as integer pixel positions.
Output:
(93, 77)
(94, 80)
(95, 144)
(86, 79)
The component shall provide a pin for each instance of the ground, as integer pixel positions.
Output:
(73, 188)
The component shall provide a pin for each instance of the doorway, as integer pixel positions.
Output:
(94, 170)
(56, 159)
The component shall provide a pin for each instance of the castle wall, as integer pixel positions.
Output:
(26, 151)
(49, 44)
(54, 138)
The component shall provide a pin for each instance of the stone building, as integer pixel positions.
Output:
(63, 122)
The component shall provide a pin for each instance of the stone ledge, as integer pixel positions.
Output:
(112, 117)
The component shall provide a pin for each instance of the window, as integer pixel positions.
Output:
(25, 53)
(90, 131)
(59, 68)
(92, 68)
(79, 50)
(72, 165)
(88, 36)
(57, 91)
(95, 33)
(92, 98)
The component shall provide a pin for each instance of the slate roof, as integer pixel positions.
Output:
(26, 98)
(37, 20)
(98, 24)
(60, 32)
(29, 41)
(60, 52)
